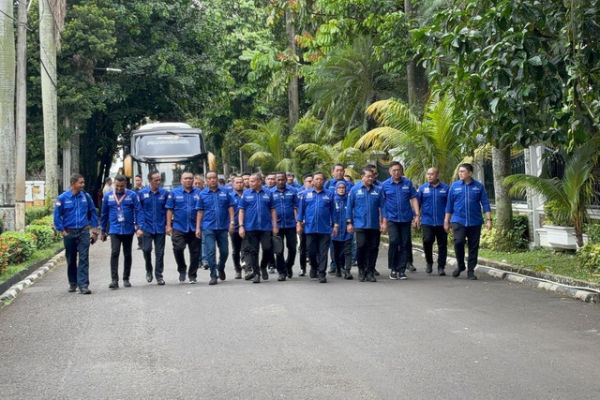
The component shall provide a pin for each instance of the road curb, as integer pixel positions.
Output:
(11, 293)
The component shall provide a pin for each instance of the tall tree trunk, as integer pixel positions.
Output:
(418, 85)
(7, 115)
(502, 168)
(75, 140)
(21, 118)
(293, 96)
(49, 100)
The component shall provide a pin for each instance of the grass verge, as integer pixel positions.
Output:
(37, 256)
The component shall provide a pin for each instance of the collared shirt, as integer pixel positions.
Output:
(183, 204)
(397, 199)
(316, 211)
(332, 184)
(339, 217)
(154, 214)
(432, 200)
(120, 212)
(236, 198)
(257, 206)
(286, 201)
(215, 204)
(74, 211)
(364, 206)
(466, 201)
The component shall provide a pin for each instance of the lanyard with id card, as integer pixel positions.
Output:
(120, 214)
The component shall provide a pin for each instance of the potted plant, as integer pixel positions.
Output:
(567, 197)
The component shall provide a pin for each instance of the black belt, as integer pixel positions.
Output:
(75, 229)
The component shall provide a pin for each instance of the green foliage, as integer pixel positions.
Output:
(44, 235)
(514, 240)
(593, 232)
(589, 257)
(554, 214)
(266, 146)
(21, 245)
(35, 213)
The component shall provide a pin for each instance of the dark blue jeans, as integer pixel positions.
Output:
(210, 240)
(76, 242)
(159, 246)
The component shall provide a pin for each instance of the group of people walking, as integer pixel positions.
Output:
(264, 216)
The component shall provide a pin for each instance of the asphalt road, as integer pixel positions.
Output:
(425, 338)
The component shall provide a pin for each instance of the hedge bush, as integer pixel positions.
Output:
(593, 232)
(21, 245)
(44, 235)
(36, 212)
(516, 239)
(589, 257)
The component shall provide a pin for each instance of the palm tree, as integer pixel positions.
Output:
(572, 193)
(267, 147)
(420, 143)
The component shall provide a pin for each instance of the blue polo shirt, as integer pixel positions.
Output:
(183, 204)
(257, 206)
(432, 200)
(316, 211)
(236, 198)
(466, 202)
(286, 201)
(397, 199)
(154, 214)
(339, 217)
(364, 206)
(215, 204)
(120, 212)
(71, 211)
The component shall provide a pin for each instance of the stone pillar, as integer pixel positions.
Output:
(535, 203)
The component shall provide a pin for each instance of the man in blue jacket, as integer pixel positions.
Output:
(237, 253)
(74, 213)
(119, 218)
(466, 199)
(152, 223)
(433, 196)
(257, 223)
(365, 216)
(213, 222)
(307, 180)
(285, 198)
(315, 219)
(401, 208)
(181, 226)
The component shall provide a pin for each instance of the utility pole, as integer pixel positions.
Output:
(21, 118)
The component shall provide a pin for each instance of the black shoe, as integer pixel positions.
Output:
(213, 281)
(349, 276)
(182, 277)
(411, 267)
(290, 273)
(441, 272)
(249, 275)
(402, 276)
(271, 270)
(126, 283)
(72, 287)
(113, 285)
(338, 273)
(205, 266)
(222, 275)
(376, 272)
(361, 276)
(160, 282)
(457, 271)
(265, 274)
(256, 278)
(238, 274)
(281, 277)
(323, 280)
(429, 268)
(193, 281)
(149, 276)
(84, 290)
(471, 276)
(371, 278)
(312, 273)
(332, 271)
(302, 272)
(393, 275)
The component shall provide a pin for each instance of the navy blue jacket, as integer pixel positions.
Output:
(364, 206)
(74, 211)
(432, 200)
(153, 218)
(465, 203)
(316, 211)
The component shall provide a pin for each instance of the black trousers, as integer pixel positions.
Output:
(252, 243)
(303, 252)
(159, 252)
(236, 250)
(400, 246)
(367, 247)
(318, 246)
(180, 240)
(342, 251)
(471, 235)
(431, 234)
(288, 236)
(115, 249)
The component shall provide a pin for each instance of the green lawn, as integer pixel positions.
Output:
(35, 257)
(543, 260)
